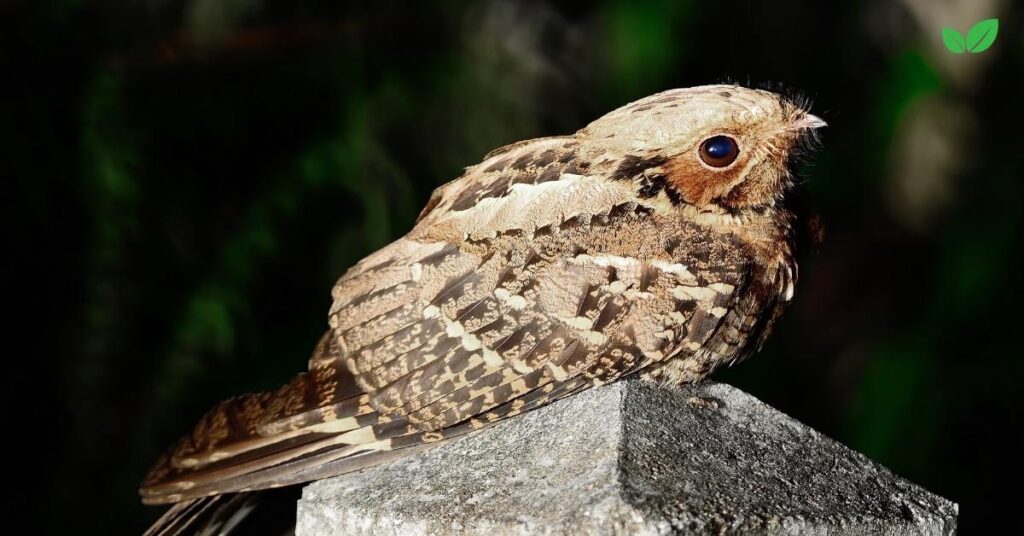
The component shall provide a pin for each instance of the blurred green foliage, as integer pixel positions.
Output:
(181, 202)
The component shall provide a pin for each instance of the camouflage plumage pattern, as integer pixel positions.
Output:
(552, 266)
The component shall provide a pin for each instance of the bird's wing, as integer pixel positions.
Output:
(496, 303)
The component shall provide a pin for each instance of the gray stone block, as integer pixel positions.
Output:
(631, 458)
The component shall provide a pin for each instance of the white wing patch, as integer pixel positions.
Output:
(528, 206)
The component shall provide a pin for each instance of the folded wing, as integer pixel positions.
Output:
(498, 302)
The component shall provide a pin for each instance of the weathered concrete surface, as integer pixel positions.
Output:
(631, 458)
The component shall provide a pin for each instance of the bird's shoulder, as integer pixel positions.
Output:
(506, 171)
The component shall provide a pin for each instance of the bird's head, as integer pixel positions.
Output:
(720, 149)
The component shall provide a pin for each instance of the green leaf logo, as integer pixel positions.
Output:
(980, 37)
(954, 41)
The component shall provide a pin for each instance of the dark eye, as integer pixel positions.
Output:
(719, 151)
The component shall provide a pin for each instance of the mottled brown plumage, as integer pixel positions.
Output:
(554, 265)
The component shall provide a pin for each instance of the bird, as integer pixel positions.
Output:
(660, 240)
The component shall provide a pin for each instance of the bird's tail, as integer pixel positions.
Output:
(319, 425)
(264, 512)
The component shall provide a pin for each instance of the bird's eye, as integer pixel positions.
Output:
(719, 151)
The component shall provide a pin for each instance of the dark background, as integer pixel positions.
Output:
(184, 180)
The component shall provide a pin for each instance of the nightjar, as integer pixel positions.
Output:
(657, 240)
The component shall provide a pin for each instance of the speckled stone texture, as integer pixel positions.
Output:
(631, 458)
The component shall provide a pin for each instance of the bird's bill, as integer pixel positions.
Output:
(810, 121)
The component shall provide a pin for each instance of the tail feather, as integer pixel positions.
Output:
(327, 398)
(316, 433)
(268, 512)
(315, 456)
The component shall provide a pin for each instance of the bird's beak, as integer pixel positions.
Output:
(809, 121)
